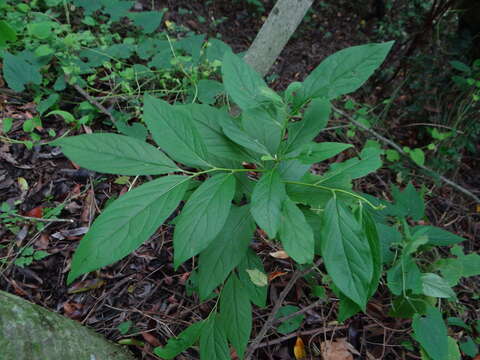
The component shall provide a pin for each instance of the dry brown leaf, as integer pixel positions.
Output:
(279, 254)
(152, 340)
(340, 349)
(299, 349)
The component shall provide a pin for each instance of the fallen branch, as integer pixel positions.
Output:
(278, 303)
(301, 333)
(401, 151)
(299, 312)
(93, 101)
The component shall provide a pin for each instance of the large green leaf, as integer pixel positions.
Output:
(291, 324)
(257, 294)
(116, 154)
(17, 72)
(436, 286)
(315, 119)
(117, 9)
(355, 168)
(264, 127)
(7, 33)
(404, 276)
(296, 234)
(226, 251)
(292, 170)
(371, 233)
(149, 21)
(245, 85)
(216, 49)
(88, 6)
(388, 236)
(470, 263)
(208, 120)
(203, 217)
(430, 331)
(344, 71)
(437, 236)
(314, 196)
(213, 340)
(127, 223)
(236, 314)
(267, 198)
(182, 342)
(316, 152)
(346, 253)
(174, 131)
(408, 202)
(231, 128)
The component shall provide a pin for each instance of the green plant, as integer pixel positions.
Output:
(309, 214)
(109, 51)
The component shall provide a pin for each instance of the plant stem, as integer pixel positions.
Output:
(334, 190)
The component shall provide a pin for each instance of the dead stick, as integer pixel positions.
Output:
(94, 102)
(299, 312)
(301, 333)
(271, 318)
(400, 150)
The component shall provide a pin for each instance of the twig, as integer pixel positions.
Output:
(299, 312)
(271, 318)
(400, 150)
(94, 102)
(300, 333)
(43, 220)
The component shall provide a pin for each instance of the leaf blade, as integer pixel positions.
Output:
(203, 217)
(296, 234)
(268, 195)
(182, 342)
(226, 251)
(236, 314)
(345, 71)
(346, 253)
(174, 132)
(430, 331)
(116, 233)
(116, 154)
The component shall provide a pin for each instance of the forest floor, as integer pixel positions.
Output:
(143, 287)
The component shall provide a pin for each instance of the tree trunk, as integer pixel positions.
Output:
(281, 23)
(30, 332)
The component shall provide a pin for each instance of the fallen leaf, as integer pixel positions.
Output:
(35, 212)
(339, 349)
(299, 349)
(152, 340)
(22, 184)
(279, 254)
(257, 277)
(86, 285)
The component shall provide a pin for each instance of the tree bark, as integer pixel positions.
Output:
(281, 23)
(30, 332)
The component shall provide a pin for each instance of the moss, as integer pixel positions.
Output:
(28, 331)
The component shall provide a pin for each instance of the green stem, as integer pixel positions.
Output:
(195, 174)
(334, 190)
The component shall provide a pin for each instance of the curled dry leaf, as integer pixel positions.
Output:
(340, 349)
